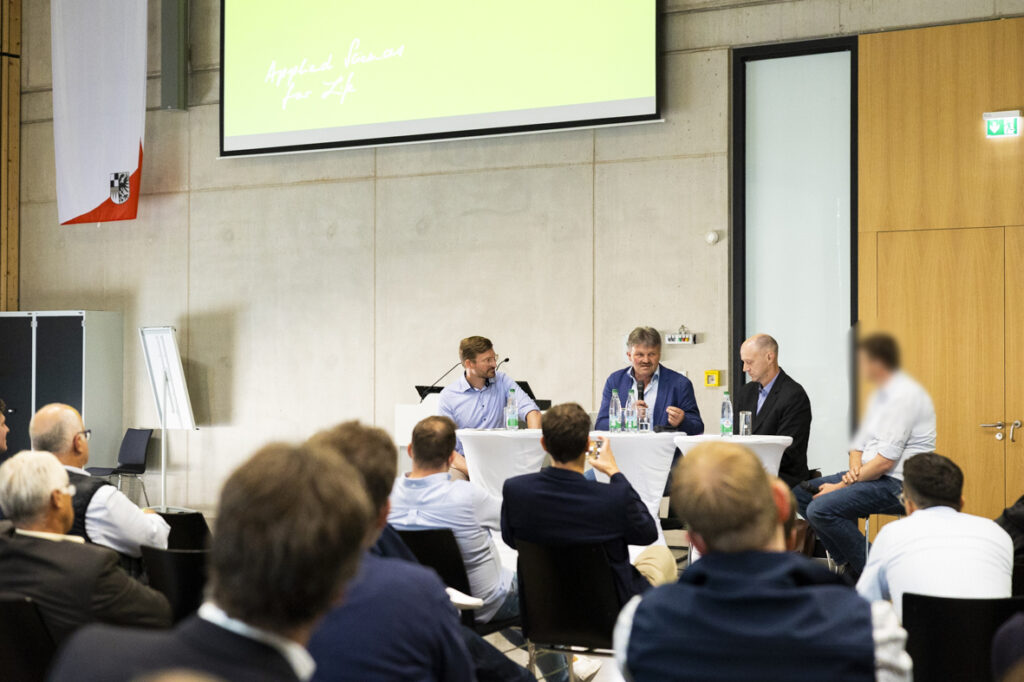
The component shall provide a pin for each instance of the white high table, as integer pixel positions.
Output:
(768, 449)
(644, 459)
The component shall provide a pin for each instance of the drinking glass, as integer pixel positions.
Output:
(746, 423)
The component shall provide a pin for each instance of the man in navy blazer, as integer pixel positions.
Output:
(559, 506)
(668, 395)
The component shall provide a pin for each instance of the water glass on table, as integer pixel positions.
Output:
(643, 419)
(746, 423)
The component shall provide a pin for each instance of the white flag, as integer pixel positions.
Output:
(99, 107)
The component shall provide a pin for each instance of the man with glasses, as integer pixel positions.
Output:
(103, 515)
(477, 399)
(72, 583)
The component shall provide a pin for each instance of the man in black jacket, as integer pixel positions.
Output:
(779, 404)
(71, 582)
(290, 532)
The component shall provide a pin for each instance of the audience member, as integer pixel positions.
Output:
(667, 394)
(72, 583)
(779, 405)
(937, 550)
(4, 430)
(290, 531)
(898, 424)
(103, 515)
(428, 498)
(1012, 521)
(560, 506)
(396, 622)
(748, 609)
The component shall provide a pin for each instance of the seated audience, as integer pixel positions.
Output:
(560, 506)
(72, 583)
(1012, 521)
(290, 531)
(4, 430)
(748, 609)
(779, 405)
(898, 424)
(103, 515)
(937, 550)
(428, 498)
(396, 622)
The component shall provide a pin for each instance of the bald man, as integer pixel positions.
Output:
(103, 515)
(779, 405)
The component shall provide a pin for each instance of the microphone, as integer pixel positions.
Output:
(639, 390)
(424, 392)
(488, 382)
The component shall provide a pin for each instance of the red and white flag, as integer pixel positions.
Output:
(99, 107)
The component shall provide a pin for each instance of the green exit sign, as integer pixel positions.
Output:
(1002, 124)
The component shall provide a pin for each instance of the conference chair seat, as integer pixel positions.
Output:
(26, 645)
(567, 596)
(438, 549)
(131, 459)
(180, 574)
(951, 639)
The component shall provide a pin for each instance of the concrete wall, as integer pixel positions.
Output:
(313, 288)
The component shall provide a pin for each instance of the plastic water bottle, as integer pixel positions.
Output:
(629, 413)
(512, 411)
(615, 412)
(727, 415)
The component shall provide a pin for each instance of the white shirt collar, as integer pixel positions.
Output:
(83, 472)
(56, 537)
(296, 655)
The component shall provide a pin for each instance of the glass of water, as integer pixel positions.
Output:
(746, 423)
(643, 419)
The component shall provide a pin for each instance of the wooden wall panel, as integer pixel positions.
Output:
(924, 160)
(10, 150)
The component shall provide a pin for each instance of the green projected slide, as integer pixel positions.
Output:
(312, 73)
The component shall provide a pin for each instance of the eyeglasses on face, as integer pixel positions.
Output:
(87, 433)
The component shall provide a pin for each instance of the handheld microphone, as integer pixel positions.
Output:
(640, 390)
(426, 392)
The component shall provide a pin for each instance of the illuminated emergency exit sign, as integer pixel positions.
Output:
(1002, 124)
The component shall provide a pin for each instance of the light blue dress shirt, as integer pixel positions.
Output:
(484, 408)
(650, 389)
(763, 391)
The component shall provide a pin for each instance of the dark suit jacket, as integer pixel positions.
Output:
(75, 584)
(396, 623)
(674, 390)
(101, 653)
(786, 412)
(560, 507)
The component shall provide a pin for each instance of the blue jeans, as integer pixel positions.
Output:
(834, 516)
(552, 666)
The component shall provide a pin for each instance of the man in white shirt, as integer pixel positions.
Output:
(103, 515)
(899, 423)
(427, 498)
(937, 550)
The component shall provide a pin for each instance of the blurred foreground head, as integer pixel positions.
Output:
(289, 534)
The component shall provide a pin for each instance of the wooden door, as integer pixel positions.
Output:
(1014, 321)
(941, 293)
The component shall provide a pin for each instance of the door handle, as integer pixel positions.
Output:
(1015, 425)
(997, 425)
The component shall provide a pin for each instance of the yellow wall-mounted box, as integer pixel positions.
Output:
(712, 378)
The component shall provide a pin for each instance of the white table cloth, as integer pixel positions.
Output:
(768, 449)
(493, 456)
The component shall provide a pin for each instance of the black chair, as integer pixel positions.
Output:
(180, 574)
(438, 549)
(26, 645)
(131, 459)
(951, 639)
(189, 530)
(567, 598)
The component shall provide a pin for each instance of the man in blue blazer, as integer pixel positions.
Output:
(667, 394)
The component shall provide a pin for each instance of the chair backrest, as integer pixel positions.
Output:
(189, 530)
(180, 574)
(951, 639)
(132, 455)
(26, 645)
(567, 595)
(437, 549)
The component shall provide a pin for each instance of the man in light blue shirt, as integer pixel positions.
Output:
(477, 399)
